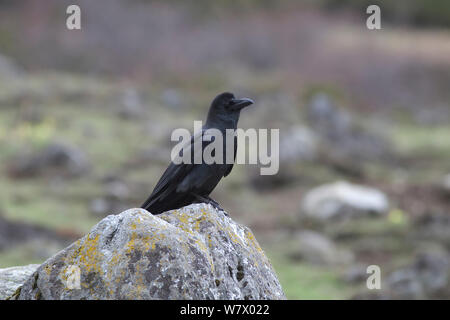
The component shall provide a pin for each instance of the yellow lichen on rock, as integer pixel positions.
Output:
(195, 252)
(89, 257)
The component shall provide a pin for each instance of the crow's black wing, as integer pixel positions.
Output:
(174, 175)
(230, 166)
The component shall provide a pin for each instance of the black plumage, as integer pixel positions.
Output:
(186, 183)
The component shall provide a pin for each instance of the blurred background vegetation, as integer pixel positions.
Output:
(86, 117)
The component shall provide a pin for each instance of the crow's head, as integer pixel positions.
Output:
(227, 102)
(226, 107)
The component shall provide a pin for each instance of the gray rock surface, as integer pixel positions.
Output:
(59, 158)
(12, 278)
(435, 226)
(8, 68)
(427, 278)
(343, 200)
(17, 232)
(298, 144)
(194, 252)
(131, 106)
(326, 118)
(172, 98)
(343, 137)
(316, 248)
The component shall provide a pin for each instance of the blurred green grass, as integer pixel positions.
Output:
(307, 282)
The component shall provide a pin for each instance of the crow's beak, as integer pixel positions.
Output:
(238, 104)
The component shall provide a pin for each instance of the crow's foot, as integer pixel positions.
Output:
(210, 201)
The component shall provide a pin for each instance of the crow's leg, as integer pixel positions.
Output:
(216, 205)
(199, 198)
(210, 201)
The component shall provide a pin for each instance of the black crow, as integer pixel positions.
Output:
(186, 183)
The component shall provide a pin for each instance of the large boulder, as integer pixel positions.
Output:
(12, 278)
(195, 252)
(342, 200)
